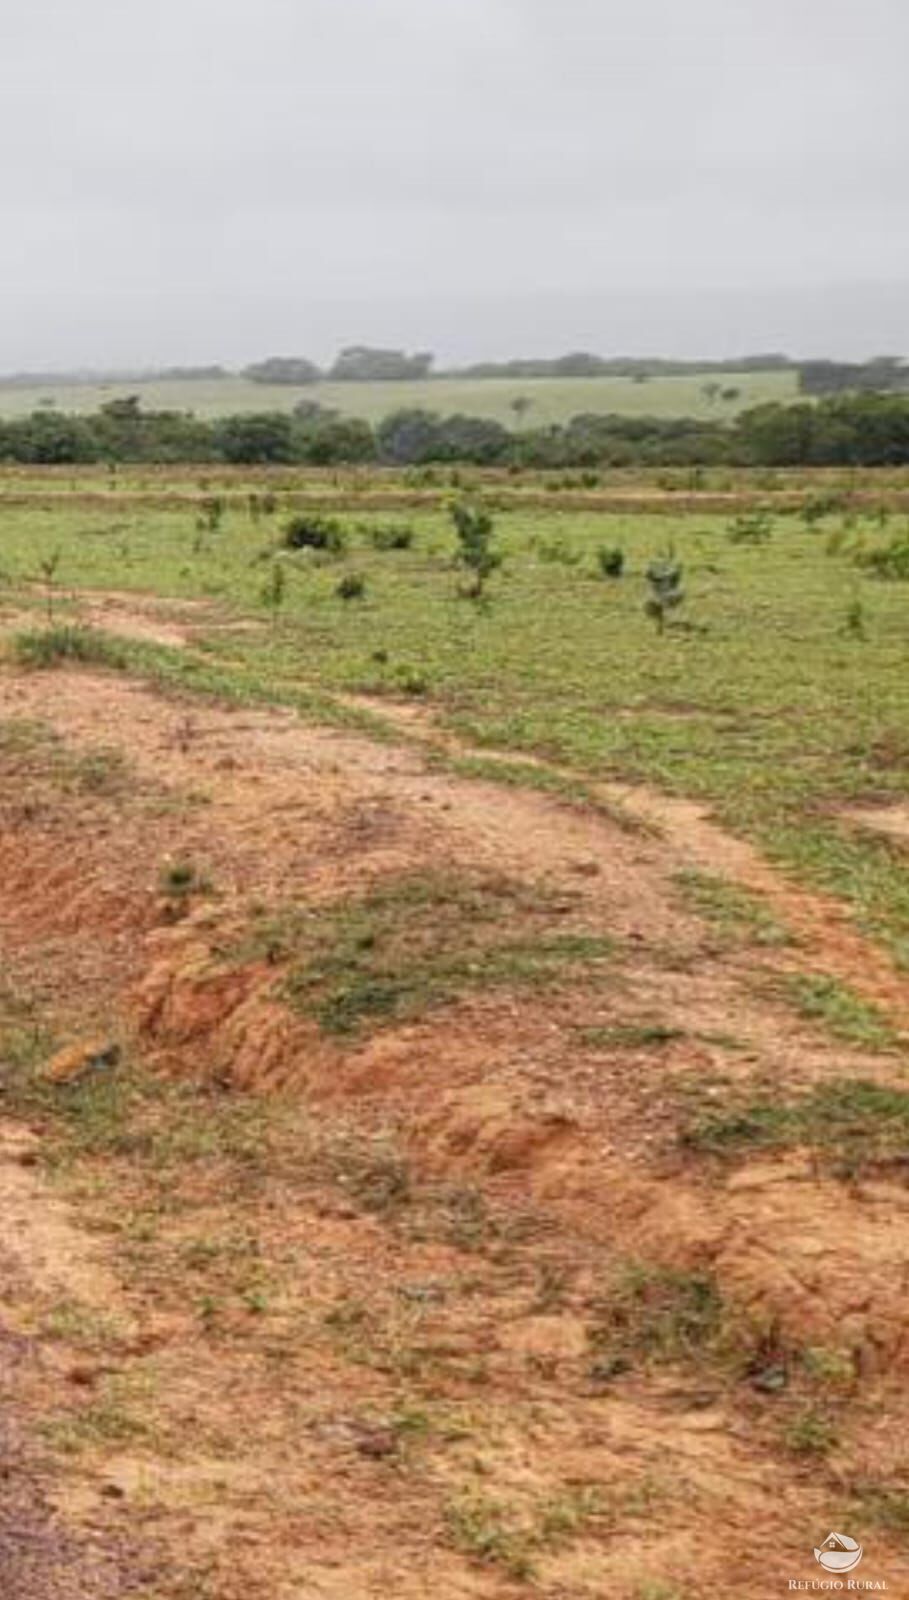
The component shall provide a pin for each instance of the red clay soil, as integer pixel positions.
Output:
(549, 1109)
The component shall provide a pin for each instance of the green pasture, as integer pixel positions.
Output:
(551, 399)
(780, 694)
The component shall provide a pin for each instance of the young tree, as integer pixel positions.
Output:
(664, 577)
(474, 527)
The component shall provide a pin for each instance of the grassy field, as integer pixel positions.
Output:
(552, 399)
(781, 695)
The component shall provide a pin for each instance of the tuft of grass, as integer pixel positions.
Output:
(811, 1433)
(654, 1313)
(483, 1529)
(854, 1124)
(179, 879)
(52, 646)
(843, 1013)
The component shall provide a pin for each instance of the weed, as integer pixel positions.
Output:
(274, 589)
(47, 566)
(110, 1418)
(179, 879)
(484, 1529)
(854, 621)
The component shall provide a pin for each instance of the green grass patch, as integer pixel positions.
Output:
(55, 645)
(417, 942)
(842, 1012)
(735, 912)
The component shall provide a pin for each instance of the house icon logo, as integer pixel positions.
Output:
(838, 1553)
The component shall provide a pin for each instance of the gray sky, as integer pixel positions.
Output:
(221, 179)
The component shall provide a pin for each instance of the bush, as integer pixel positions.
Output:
(311, 532)
(351, 587)
(664, 577)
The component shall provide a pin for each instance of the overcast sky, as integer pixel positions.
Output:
(214, 180)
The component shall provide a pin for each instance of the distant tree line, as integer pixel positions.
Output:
(864, 430)
(882, 374)
(367, 364)
(359, 363)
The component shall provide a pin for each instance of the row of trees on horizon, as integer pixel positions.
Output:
(369, 364)
(841, 430)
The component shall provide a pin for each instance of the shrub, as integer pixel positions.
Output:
(611, 561)
(666, 592)
(351, 587)
(474, 528)
(310, 532)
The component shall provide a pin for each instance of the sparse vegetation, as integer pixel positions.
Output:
(733, 911)
(52, 646)
(854, 1125)
(841, 1011)
(654, 1313)
(416, 943)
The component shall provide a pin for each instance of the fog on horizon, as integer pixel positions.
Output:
(220, 180)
